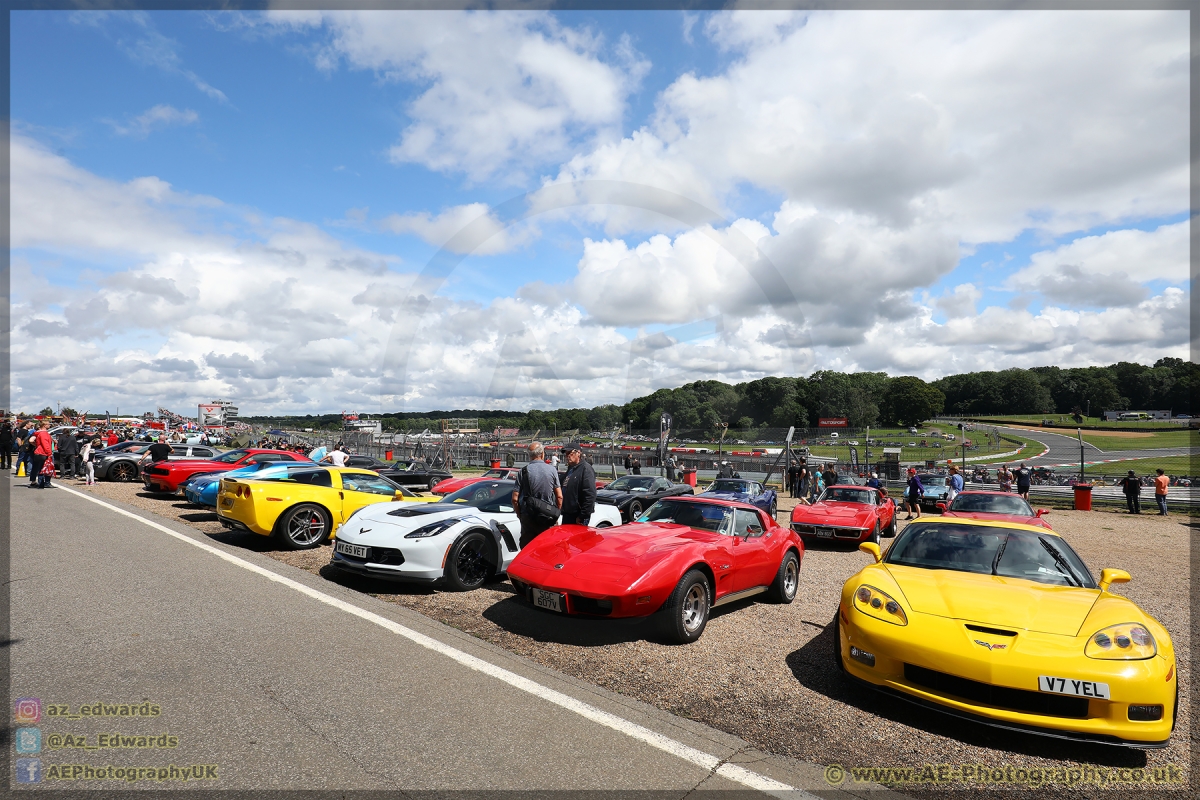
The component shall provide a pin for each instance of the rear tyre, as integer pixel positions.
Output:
(892, 528)
(304, 527)
(685, 614)
(774, 510)
(469, 563)
(604, 525)
(787, 579)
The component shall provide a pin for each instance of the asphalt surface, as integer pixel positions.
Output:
(283, 690)
(1064, 450)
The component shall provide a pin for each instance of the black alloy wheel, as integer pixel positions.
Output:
(469, 563)
(635, 510)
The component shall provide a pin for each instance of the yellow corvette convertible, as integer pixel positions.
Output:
(1002, 623)
(304, 508)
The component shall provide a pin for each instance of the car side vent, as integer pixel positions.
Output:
(993, 631)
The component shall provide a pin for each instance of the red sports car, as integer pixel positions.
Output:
(451, 485)
(994, 505)
(167, 476)
(846, 514)
(688, 556)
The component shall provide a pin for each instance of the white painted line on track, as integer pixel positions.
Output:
(732, 772)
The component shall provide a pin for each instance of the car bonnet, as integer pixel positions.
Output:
(397, 519)
(612, 553)
(994, 600)
(832, 511)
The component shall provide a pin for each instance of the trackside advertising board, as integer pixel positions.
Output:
(832, 422)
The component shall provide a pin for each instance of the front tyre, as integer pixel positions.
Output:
(837, 643)
(123, 472)
(875, 535)
(469, 563)
(635, 510)
(787, 579)
(686, 610)
(304, 527)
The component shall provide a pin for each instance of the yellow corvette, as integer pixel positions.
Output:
(1002, 623)
(303, 509)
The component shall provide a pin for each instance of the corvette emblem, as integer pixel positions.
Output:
(558, 566)
(364, 530)
(989, 645)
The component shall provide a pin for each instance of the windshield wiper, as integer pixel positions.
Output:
(1061, 561)
(999, 553)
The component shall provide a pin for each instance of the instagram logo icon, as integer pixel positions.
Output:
(28, 709)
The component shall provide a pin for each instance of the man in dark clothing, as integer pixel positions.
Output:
(628, 463)
(68, 454)
(24, 436)
(1023, 476)
(578, 488)
(914, 493)
(6, 443)
(1133, 492)
(636, 466)
(157, 452)
(793, 479)
(726, 471)
(830, 476)
(802, 479)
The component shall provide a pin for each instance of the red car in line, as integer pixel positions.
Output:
(1004, 506)
(451, 485)
(846, 513)
(168, 476)
(690, 555)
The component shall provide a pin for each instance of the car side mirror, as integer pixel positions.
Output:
(872, 549)
(1110, 576)
(397, 495)
(1041, 512)
(753, 530)
(941, 506)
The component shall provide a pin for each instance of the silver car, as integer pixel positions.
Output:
(120, 462)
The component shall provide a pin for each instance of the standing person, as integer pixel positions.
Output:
(956, 485)
(337, 456)
(1004, 478)
(830, 476)
(726, 470)
(1023, 477)
(6, 443)
(1133, 492)
(874, 481)
(578, 488)
(113, 438)
(89, 463)
(793, 479)
(158, 452)
(43, 452)
(68, 451)
(538, 497)
(24, 438)
(637, 466)
(912, 497)
(1161, 482)
(628, 463)
(802, 479)
(671, 462)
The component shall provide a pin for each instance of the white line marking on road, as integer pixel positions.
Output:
(690, 754)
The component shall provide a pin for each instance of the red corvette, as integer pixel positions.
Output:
(168, 475)
(689, 555)
(451, 485)
(846, 514)
(994, 505)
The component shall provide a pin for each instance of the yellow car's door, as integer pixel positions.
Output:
(362, 488)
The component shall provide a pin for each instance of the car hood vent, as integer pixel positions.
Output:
(422, 510)
(992, 631)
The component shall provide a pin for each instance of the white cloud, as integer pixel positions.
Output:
(471, 228)
(160, 116)
(960, 301)
(504, 91)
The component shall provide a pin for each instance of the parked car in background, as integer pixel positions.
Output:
(120, 462)
(846, 513)
(168, 476)
(415, 474)
(633, 494)
(743, 491)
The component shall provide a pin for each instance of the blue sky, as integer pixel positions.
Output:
(242, 204)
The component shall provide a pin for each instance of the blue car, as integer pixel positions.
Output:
(201, 490)
(743, 491)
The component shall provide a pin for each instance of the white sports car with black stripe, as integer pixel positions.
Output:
(461, 542)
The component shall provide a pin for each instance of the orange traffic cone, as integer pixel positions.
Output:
(21, 469)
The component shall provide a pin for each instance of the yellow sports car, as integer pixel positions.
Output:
(303, 509)
(1002, 623)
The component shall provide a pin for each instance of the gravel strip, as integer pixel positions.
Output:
(764, 672)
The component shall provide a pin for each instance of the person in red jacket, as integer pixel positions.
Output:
(43, 448)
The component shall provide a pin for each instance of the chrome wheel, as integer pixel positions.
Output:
(695, 608)
(791, 577)
(306, 527)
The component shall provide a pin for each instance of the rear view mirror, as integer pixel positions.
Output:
(1041, 512)
(872, 549)
(1110, 576)
(941, 506)
(399, 495)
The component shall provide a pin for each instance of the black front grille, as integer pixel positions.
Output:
(377, 555)
(588, 605)
(1043, 703)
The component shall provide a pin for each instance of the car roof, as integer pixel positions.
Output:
(713, 501)
(990, 492)
(991, 523)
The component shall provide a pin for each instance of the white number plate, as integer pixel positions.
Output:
(827, 532)
(548, 600)
(1073, 687)
(358, 551)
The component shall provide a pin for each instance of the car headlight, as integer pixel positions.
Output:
(1128, 641)
(879, 604)
(432, 529)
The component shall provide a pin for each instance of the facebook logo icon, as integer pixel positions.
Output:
(29, 770)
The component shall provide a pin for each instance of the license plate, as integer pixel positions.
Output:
(1073, 687)
(828, 532)
(227, 502)
(547, 600)
(355, 550)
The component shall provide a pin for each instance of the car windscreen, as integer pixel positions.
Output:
(481, 493)
(989, 551)
(932, 480)
(694, 515)
(230, 457)
(844, 494)
(726, 485)
(631, 484)
(992, 504)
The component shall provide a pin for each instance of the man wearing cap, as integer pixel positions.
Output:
(874, 481)
(912, 497)
(1022, 476)
(578, 488)
(1133, 492)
